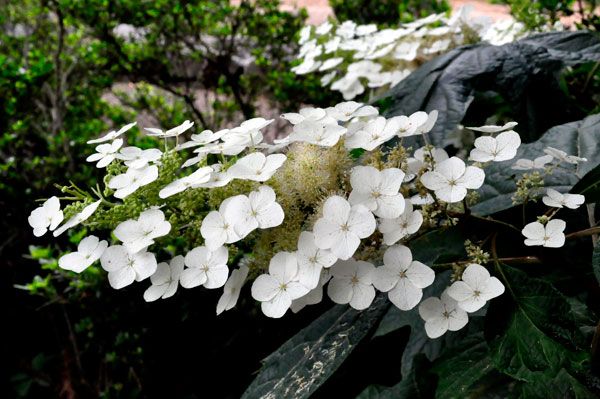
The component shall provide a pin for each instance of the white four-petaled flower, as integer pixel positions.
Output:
(139, 234)
(497, 149)
(128, 182)
(205, 267)
(311, 260)
(402, 278)
(352, 283)
(558, 200)
(258, 210)
(112, 135)
(552, 235)
(256, 166)
(442, 314)
(46, 217)
(165, 280)
(89, 250)
(124, 267)
(279, 288)
(232, 288)
(407, 223)
(450, 179)
(105, 153)
(378, 190)
(342, 227)
(78, 218)
(475, 289)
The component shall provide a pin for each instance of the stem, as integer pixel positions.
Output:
(583, 233)
(592, 219)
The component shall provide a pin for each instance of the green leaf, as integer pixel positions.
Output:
(561, 386)
(304, 362)
(596, 262)
(462, 367)
(443, 241)
(581, 138)
(527, 331)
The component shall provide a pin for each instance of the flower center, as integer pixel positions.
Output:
(402, 274)
(282, 287)
(446, 314)
(313, 259)
(345, 227)
(205, 268)
(404, 225)
(258, 172)
(476, 293)
(452, 183)
(354, 280)
(546, 238)
(376, 194)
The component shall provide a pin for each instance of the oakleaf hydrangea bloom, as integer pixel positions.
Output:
(258, 210)
(112, 135)
(89, 251)
(494, 128)
(402, 278)
(558, 200)
(562, 156)
(205, 267)
(207, 136)
(80, 217)
(442, 314)
(165, 280)
(342, 227)
(351, 109)
(538, 163)
(105, 153)
(137, 158)
(200, 176)
(277, 289)
(407, 125)
(371, 134)
(218, 178)
(500, 148)
(352, 283)
(46, 217)
(232, 288)
(308, 114)
(407, 223)
(475, 289)
(311, 260)
(176, 131)
(124, 268)
(324, 132)
(128, 182)
(450, 179)
(552, 235)
(423, 158)
(315, 295)
(256, 166)
(377, 190)
(139, 234)
(218, 226)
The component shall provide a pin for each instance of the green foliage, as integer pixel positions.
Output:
(387, 12)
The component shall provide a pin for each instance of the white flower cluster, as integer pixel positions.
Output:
(356, 240)
(353, 56)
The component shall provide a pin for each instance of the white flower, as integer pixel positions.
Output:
(538, 163)
(259, 209)
(349, 86)
(402, 278)
(137, 158)
(89, 250)
(324, 132)
(550, 236)
(218, 177)
(450, 179)
(80, 217)
(377, 190)
(277, 289)
(256, 166)
(442, 314)
(351, 109)
(332, 45)
(346, 29)
(112, 135)
(426, 126)
(304, 34)
(423, 160)
(363, 30)
(422, 200)
(324, 28)
(342, 227)
(200, 176)
(139, 234)
(165, 280)
(207, 136)
(493, 128)
(248, 133)
(406, 50)
(105, 153)
(218, 226)
(128, 182)
(475, 289)
(231, 291)
(352, 283)
(371, 134)
(47, 216)
(123, 267)
(176, 131)
(327, 78)
(331, 63)
(305, 114)
(562, 156)
(558, 200)
(307, 66)
(205, 267)
(395, 229)
(501, 148)
(311, 260)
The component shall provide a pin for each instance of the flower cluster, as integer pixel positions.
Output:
(355, 57)
(330, 208)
